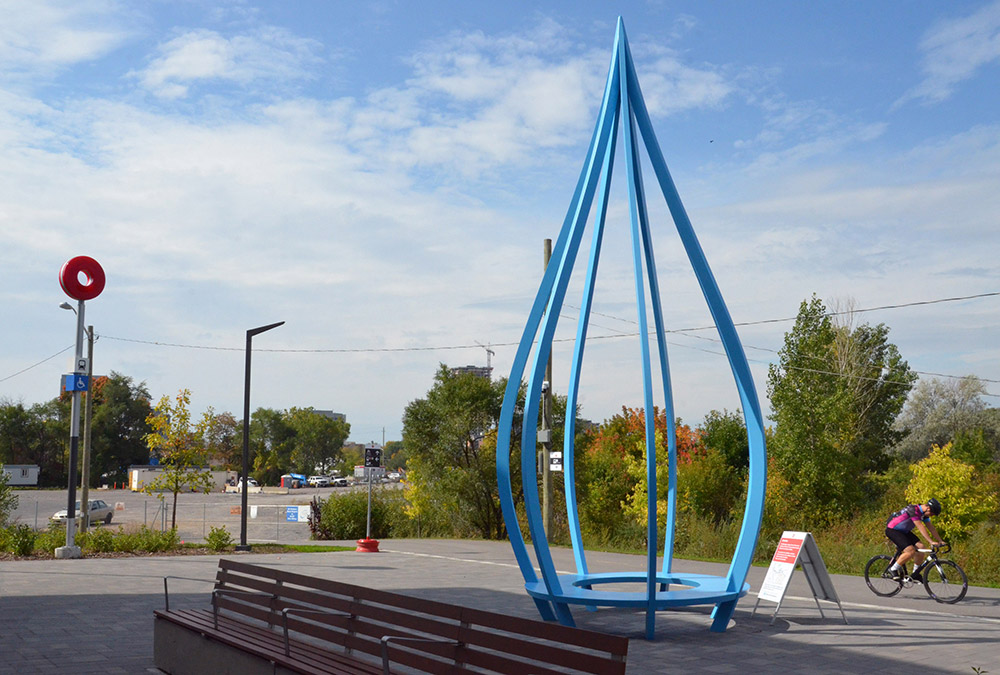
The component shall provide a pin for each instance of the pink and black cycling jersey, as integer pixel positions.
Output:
(905, 519)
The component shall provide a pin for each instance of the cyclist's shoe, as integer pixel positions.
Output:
(917, 578)
(896, 575)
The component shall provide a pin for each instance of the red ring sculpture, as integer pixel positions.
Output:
(69, 278)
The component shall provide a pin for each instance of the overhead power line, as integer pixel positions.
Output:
(616, 335)
(35, 365)
(374, 350)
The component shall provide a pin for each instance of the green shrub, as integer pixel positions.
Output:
(708, 486)
(8, 498)
(979, 553)
(98, 540)
(345, 516)
(701, 538)
(155, 541)
(966, 500)
(48, 540)
(218, 539)
(21, 540)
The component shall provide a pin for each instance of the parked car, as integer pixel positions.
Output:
(340, 482)
(100, 511)
(318, 481)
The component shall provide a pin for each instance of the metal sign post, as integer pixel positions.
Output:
(373, 460)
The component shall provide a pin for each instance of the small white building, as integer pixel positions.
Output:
(21, 474)
(139, 476)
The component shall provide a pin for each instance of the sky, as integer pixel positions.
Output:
(381, 177)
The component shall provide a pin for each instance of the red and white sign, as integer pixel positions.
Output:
(797, 548)
(788, 548)
(782, 566)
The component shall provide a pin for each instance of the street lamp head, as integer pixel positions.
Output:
(66, 305)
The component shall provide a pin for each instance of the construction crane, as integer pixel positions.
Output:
(489, 354)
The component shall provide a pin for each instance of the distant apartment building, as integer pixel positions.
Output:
(478, 371)
(335, 416)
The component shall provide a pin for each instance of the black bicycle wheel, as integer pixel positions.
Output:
(945, 581)
(879, 579)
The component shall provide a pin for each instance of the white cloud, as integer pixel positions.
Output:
(670, 86)
(352, 219)
(478, 102)
(38, 35)
(205, 55)
(954, 51)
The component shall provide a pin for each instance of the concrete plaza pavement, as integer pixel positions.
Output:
(94, 615)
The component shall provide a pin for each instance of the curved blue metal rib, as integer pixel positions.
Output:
(579, 205)
(622, 93)
(757, 480)
(569, 437)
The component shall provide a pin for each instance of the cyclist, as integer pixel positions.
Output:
(899, 529)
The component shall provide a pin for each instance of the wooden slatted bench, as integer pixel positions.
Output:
(264, 620)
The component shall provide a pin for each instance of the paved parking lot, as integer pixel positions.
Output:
(271, 517)
(95, 615)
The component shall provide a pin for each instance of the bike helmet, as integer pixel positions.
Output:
(934, 505)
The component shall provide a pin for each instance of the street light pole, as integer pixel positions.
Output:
(71, 550)
(243, 546)
(82, 278)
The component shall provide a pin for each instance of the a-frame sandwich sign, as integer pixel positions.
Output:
(797, 548)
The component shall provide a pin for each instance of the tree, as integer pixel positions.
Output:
(270, 445)
(612, 472)
(352, 455)
(180, 448)
(224, 439)
(118, 427)
(835, 393)
(36, 435)
(317, 440)
(18, 429)
(937, 412)
(395, 455)
(726, 433)
(449, 437)
(966, 501)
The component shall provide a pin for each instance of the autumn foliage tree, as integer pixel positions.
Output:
(966, 499)
(180, 447)
(612, 472)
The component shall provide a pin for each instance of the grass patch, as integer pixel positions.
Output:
(314, 548)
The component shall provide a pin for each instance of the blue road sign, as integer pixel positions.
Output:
(76, 382)
(292, 514)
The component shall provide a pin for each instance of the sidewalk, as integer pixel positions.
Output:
(95, 615)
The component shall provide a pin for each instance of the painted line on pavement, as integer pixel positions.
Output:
(855, 605)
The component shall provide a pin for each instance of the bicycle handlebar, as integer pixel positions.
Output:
(936, 548)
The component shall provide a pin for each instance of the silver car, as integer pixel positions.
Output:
(100, 511)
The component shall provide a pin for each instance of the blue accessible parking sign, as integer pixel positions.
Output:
(76, 383)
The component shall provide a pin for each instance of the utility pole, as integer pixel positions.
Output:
(547, 425)
(87, 416)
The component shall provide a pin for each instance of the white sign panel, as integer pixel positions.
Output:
(797, 548)
(782, 566)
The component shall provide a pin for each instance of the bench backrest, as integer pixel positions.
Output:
(358, 618)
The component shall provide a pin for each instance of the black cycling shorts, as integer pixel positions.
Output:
(901, 539)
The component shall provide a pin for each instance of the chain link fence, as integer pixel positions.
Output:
(196, 515)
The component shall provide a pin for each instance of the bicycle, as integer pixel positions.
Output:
(943, 580)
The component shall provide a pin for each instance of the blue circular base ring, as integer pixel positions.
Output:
(696, 589)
